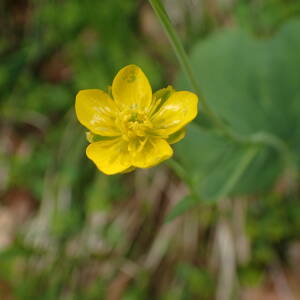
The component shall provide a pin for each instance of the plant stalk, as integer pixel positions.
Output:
(186, 66)
(177, 47)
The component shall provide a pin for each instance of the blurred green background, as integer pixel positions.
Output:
(220, 221)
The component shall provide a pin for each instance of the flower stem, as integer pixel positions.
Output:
(185, 64)
(177, 47)
(237, 173)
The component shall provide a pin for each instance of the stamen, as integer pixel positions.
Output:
(133, 124)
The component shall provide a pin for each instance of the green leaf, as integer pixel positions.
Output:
(217, 167)
(253, 85)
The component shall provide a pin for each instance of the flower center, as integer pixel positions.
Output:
(133, 124)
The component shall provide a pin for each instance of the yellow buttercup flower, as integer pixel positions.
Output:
(133, 128)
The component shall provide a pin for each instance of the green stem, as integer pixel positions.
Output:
(265, 138)
(238, 172)
(186, 67)
(177, 47)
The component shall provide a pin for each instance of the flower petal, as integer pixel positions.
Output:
(96, 111)
(178, 110)
(110, 156)
(92, 138)
(159, 98)
(131, 89)
(176, 136)
(164, 93)
(130, 169)
(154, 151)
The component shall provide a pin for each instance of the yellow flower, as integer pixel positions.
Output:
(133, 128)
